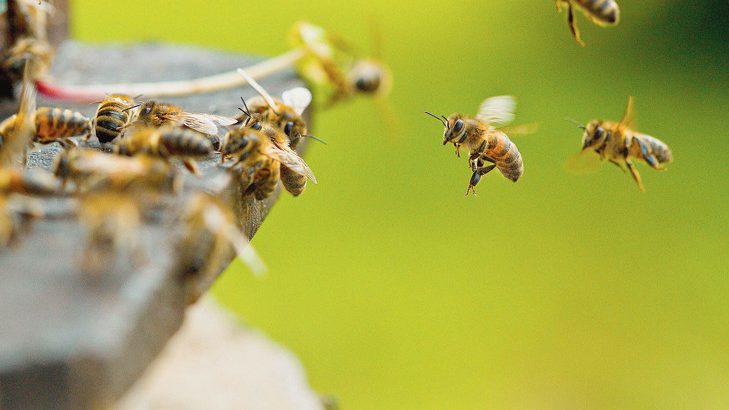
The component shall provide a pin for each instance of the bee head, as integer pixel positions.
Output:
(594, 135)
(454, 128)
(146, 109)
(241, 144)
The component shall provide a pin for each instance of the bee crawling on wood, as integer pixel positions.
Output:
(620, 144)
(168, 141)
(113, 115)
(209, 230)
(489, 147)
(600, 12)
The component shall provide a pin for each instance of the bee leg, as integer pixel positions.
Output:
(458, 150)
(617, 164)
(573, 24)
(476, 177)
(191, 166)
(636, 175)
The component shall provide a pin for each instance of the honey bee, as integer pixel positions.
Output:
(166, 142)
(601, 12)
(284, 114)
(15, 213)
(27, 38)
(16, 132)
(91, 170)
(27, 182)
(331, 61)
(210, 229)
(113, 115)
(112, 221)
(155, 114)
(485, 143)
(259, 161)
(619, 144)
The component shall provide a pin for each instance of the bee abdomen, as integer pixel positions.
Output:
(605, 11)
(110, 121)
(293, 182)
(659, 149)
(56, 123)
(506, 156)
(186, 142)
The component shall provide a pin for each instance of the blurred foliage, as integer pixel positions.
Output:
(396, 291)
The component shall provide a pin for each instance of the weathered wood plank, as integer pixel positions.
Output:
(70, 341)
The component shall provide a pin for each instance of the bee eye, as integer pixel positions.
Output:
(288, 128)
(146, 110)
(256, 126)
(599, 131)
(458, 126)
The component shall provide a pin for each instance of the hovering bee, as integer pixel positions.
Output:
(284, 114)
(210, 229)
(332, 61)
(27, 38)
(112, 221)
(155, 114)
(166, 142)
(113, 115)
(485, 143)
(259, 161)
(27, 182)
(601, 12)
(91, 169)
(619, 144)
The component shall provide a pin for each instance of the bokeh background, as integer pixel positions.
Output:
(397, 292)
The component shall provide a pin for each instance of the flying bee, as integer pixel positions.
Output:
(112, 221)
(210, 229)
(601, 12)
(332, 61)
(259, 161)
(27, 182)
(485, 142)
(620, 144)
(166, 142)
(284, 114)
(156, 114)
(91, 169)
(113, 115)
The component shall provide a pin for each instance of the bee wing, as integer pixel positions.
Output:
(297, 98)
(12, 152)
(199, 122)
(292, 160)
(628, 116)
(497, 110)
(583, 162)
(521, 129)
(215, 222)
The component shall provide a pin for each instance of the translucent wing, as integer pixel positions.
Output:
(628, 115)
(497, 111)
(22, 128)
(298, 98)
(521, 129)
(583, 162)
(292, 160)
(216, 222)
(199, 122)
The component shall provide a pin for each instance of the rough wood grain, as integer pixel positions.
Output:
(70, 341)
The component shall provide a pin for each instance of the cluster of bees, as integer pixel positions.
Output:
(490, 148)
(126, 176)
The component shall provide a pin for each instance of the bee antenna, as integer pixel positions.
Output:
(314, 138)
(132, 107)
(581, 126)
(245, 111)
(445, 124)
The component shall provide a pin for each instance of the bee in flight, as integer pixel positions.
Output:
(489, 147)
(619, 144)
(601, 12)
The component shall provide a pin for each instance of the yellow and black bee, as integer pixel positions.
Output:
(600, 12)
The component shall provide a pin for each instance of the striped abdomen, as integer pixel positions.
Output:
(657, 147)
(294, 182)
(601, 11)
(52, 124)
(505, 155)
(185, 142)
(264, 180)
(112, 116)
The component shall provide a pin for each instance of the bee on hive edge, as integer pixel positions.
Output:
(156, 114)
(114, 114)
(485, 142)
(600, 12)
(619, 144)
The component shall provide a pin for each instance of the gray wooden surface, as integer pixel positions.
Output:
(70, 341)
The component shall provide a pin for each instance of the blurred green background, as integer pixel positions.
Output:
(562, 291)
